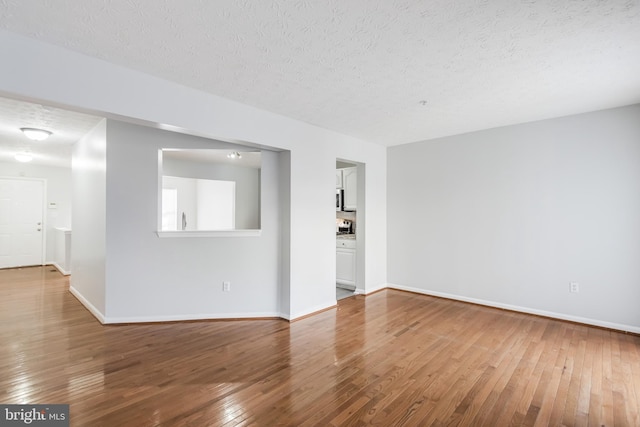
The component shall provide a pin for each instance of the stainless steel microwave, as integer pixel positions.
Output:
(339, 201)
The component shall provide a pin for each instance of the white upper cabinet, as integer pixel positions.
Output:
(350, 185)
(338, 178)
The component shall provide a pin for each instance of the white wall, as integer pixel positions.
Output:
(217, 205)
(88, 246)
(79, 82)
(284, 181)
(58, 192)
(153, 278)
(511, 216)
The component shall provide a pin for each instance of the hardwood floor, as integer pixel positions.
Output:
(389, 359)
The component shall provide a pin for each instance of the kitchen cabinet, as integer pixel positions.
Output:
(346, 262)
(338, 178)
(350, 185)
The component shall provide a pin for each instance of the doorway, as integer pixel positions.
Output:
(349, 228)
(21, 222)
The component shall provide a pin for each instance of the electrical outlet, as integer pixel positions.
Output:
(574, 287)
(226, 286)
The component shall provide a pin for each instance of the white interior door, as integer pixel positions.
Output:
(21, 222)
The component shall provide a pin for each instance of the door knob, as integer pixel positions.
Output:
(39, 229)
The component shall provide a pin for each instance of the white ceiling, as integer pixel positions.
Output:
(67, 127)
(362, 67)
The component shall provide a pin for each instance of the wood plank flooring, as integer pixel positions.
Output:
(389, 359)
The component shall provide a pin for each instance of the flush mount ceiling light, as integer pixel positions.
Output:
(23, 157)
(36, 134)
(234, 155)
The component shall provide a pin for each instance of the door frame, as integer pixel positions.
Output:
(45, 230)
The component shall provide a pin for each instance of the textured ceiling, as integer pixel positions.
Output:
(362, 67)
(67, 127)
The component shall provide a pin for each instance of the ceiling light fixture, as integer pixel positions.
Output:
(36, 134)
(23, 157)
(234, 155)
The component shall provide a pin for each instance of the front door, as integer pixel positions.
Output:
(21, 222)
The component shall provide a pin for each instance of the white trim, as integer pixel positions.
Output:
(60, 269)
(163, 318)
(316, 309)
(184, 317)
(210, 233)
(377, 288)
(92, 308)
(45, 211)
(560, 316)
(284, 316)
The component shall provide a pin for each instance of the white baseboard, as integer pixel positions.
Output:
(184, 317)
(92, 309)
(554, 315)
(375, 289)
(212, 316)
(312, 310)
(109, 320)
(60, 269)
